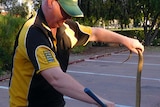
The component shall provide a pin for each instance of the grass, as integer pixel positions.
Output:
(127, 29)
(153, 48)
(78, 49)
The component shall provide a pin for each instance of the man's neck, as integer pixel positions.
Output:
(54, 31)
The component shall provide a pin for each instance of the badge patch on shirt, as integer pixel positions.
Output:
(48, 56)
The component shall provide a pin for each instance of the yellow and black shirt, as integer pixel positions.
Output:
(36, 49)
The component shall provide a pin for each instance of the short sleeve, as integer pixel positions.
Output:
(46, 58)
(78, 34)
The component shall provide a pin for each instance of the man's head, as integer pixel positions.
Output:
(58, 11)
(71, 7)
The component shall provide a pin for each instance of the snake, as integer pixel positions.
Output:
(138, 78)
(138, 81)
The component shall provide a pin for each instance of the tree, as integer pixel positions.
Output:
(106, 10)
(117, 9)
(20, 10)
(92, 10)
(141, 11)
(15, 8)
(134, 11)
(37, 4)
(151, 12)
(146, 11)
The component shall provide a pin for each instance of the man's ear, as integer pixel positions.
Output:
(49, 3)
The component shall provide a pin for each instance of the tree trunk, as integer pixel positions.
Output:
(149, 35)
(147, 41)
(155, 33)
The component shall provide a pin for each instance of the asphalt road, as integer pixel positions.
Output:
(111, 79)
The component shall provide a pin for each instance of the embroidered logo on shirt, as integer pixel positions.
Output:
(49, 56)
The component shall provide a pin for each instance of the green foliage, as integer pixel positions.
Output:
(78, 49)
(139, 34)
(20, 10)
(90, 21)
(156, 42)
(37, 4)
(141, 11)
(8, 30)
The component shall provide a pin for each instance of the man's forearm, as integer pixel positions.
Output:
(66, 84)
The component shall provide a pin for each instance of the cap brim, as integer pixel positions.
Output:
(72, 10)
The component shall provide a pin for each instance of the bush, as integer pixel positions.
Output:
(139, 34)
(78, 49)
(8, 30)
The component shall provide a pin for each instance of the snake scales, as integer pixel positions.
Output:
(138, 78)
(138, 82)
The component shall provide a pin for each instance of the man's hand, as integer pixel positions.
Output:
(109, 103)
(133, 45)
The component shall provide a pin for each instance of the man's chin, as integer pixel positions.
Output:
(58, 24)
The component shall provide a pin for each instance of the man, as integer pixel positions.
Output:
(42, 51)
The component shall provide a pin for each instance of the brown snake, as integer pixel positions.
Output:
(138, 81)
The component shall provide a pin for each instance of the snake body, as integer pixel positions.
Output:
(138, 82)
(139, 71)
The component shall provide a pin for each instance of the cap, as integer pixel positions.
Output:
(71, 7)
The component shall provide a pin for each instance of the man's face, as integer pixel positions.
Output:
(59, 15)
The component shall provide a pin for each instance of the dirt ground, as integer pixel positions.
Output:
(91, 51)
